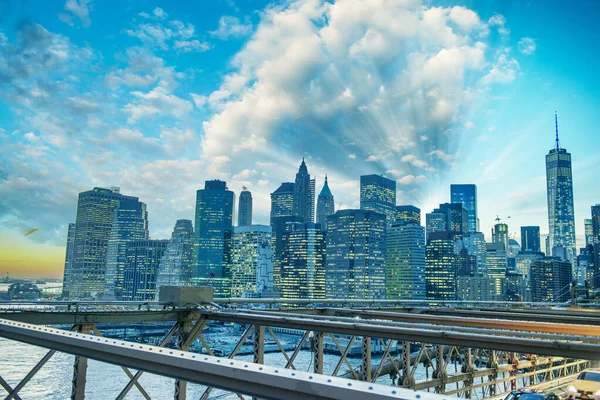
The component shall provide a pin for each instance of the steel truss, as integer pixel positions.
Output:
(492, 360)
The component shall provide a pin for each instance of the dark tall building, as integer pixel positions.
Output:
(595, 224)
(530, 239)
(282, 213)
(141, 267)
(408, 215)
(303, 262)
(86, 269)
(355, 256)
(325, 205)
(68, 259)
(130, 222)
(405, 261)
(175, 268)
(304, 195)
(449, 217)
(500, 235)
(549, 280)
(378, 194)
(213, 237)
(467, 195)
(589, 231)
(245, 208)
(440, 266)
(561, 215)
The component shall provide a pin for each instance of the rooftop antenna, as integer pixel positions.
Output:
(556, 124)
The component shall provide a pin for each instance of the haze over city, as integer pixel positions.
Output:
(156, 98)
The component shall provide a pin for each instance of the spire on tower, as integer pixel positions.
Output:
(556, 124)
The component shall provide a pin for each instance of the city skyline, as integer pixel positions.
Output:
(495, 142)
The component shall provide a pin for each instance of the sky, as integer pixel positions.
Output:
(156, 97)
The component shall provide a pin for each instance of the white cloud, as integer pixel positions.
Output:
(527, 45)
(166, 34)
(77, 9)
(414, 160)
(159, 13)
(441, 155)
(232, 27)
(352, 156)
(411, 180)
(498, 21)
(504, 70)
(469, 125)
(157, 101)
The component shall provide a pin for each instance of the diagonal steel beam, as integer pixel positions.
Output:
(8, 389)
(125, 369)
(235, 350)
(34, 370)
(279, 344)
(343, 358)
(297, 351)
(137, 375)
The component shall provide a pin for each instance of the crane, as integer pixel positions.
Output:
(498, 219)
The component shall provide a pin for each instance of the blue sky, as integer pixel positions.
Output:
(156, 97)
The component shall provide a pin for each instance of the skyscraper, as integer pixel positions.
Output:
(530, 239)
(85, 273)
(466, 195)
(175, 268)
(245, 208)
(247, 241)
(130, 222)
(405, 262)
(355, 261)
(473, 244)
(325, 205)
(448, 217)
(549, 280)
(595, 224)
(589, 231)
(303, 262)
(378, 194)
(141, 266)
(440, 266)
(500, 235)
(496, 263)
(68, 258)
(559, 182)
(282, 213)
(213, 236)
(408, 215)
(304, 195)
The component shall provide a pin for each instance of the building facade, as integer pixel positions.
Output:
(304, 195)
(130, 222)
(496, 264)
(589, 231)
(378, 193)
(247, 242)
(85, 271)
(245, 208)
(213, 237)
(559, 183)
(466, 194)
(175, 268)
(141, 268)
(530, 239)
(282, 213)
(405, 262)
(500, 235)
(355, 264)
(303, 262)
(325, 205)
(549, 280)
(440, 266)
(595, 224)
(478, 288)
(408, 215)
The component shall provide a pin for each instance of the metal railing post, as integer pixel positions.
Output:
(79, 371)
